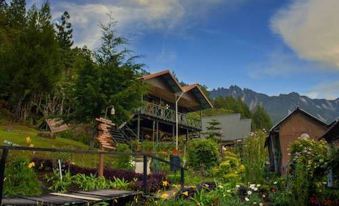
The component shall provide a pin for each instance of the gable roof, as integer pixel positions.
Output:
(332, 132)
(199, 94)
(303, 112)
(166, 76)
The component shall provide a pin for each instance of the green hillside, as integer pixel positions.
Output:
(17, 133)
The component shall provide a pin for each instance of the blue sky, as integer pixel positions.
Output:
(270, 46)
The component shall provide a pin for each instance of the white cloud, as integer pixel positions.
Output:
(133, 16)
(279, 64)
(311, 29)
(328, 90)
(86, 17)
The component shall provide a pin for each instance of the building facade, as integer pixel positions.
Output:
(156, 119)
(233, 127)
(284, 133)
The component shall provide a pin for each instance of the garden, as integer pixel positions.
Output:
(237, 175)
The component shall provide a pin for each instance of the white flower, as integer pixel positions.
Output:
(275, 182)
(263, 196)
(237, 186)
(255, 189)
(254, 203)
(228, 191)
(249, 192)
(261, 204)
(258, 185)
(247, 199)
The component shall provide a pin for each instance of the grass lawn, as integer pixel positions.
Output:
(17, 133)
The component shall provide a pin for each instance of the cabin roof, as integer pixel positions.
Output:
(332, 132)
(176, 87)
(167, 77)
(199, 94)
(298, 110)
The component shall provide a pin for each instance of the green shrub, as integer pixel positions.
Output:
(308, 163)
(21, 179)
(203, 154)
(123, 161)
(229, 169)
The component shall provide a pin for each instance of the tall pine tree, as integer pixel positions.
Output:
(213, 130)
(112, 81)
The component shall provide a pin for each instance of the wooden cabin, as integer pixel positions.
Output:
(156, 120)
(294, 125)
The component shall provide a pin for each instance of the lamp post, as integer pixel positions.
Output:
(177, 121)
(112, 112)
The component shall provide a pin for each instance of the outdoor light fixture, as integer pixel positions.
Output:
(112, 111)
(177, 121)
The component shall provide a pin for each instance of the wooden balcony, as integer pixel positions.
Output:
(166, 114)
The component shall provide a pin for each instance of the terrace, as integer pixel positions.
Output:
(166, 114)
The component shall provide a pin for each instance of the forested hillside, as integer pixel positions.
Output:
(44, 75)
(280, 106)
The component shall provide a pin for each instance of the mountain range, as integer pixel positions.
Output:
(280, 106)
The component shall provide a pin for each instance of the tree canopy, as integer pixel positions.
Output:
(43, 75)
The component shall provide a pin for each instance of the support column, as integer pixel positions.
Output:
(138, 131)
(157, 134)
(2, 170)
(101, 164)
(173, 132)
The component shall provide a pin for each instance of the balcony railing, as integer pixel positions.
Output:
(167, 114)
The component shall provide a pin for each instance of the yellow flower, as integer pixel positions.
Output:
(30, 165)
(185, 193)
(31, 145)
(165, 183)
(28, 140)
(164, 195)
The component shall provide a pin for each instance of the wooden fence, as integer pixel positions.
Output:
(7, 149)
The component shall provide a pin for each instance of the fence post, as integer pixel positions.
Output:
(101, 164)
(182, 177)
(145, 175)
(2, 171)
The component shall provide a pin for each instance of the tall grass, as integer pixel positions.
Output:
(254, 156)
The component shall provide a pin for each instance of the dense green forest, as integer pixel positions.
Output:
(43, 74)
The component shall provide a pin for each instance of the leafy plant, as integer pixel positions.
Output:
(20, 179)
(58, 184)
(203, 154)
(307, 169)
(89, 182)
(229, 169)
(119, 184)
